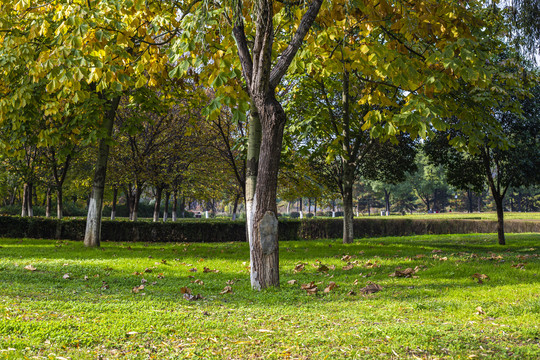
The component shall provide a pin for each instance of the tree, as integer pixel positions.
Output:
(502, 168)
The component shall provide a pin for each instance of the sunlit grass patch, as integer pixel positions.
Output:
(130, 300)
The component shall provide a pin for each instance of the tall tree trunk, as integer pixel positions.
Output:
(48, 202)
(264, 240)
(348, 214)
(387, 201)
(300, 202)
(29, 204)
(24, 209)
(59, 202)
(252, 167)
(174, 206)
(315, 207)
(166, 210)
(92, 235)
(157, 205)
(470, 200)
(183, 207)
(500, 219)
(136, 200)
(235, 206)
(113, 207)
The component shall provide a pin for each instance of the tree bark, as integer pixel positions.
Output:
(59, 202)
(92, 235)
(113, 207)
(157, 205)
(348, 215)
(300, 202)
(387, 201)
(48, 202)
(24, 209)
(174, 206)
(252, 165)
(264, 243)
(500, 220)
(235, 207)
(166, 210)
(29, 205)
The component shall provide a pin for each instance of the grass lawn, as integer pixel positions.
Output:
(60, 300)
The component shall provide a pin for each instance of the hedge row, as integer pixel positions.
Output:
(222, 231)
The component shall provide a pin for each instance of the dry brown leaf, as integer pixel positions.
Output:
(85, 277)
(207, 270)
(371, 288)
(332, 267)
(66, 276)
(230, 282)
(147, 270)
(226, 290)
(161, 276)
(346, 258)
(480, 277)
(185, 290)
(355, 282)
(480, 311)
(520, 266)
(323, 268)
(193, 270)
(331, 286)
(419, 256)
(30, 268)
(298, 268)
(443, 259)
(191, 297)
(408, 272)
(351, 293)
(292, 282)
(198, 281)
(104, 286)
(310, 288)
(436, 251)
(136, 289)
(370, 265)
(349, 266)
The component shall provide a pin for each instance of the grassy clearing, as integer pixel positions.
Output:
(441, 312)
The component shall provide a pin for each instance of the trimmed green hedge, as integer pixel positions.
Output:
(226, 230)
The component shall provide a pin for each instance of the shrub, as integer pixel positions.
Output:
(309, 215)
(294, 215)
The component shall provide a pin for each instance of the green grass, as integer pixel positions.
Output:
(443, 313)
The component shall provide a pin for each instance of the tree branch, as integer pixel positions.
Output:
(288, 54)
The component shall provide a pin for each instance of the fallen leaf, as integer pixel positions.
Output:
(520, 266)
(85, 277)
(160, 276)
(132, 333)
(207, 270)
(144, 281)
(331, 286)
(292, 282)
(198, 281)
(191, 297)
(136, 289)
(443, 259)
(185, 290)
(355, 282)
(346, 257)
(332, 267)
(147, 270)
(226, 290)
(419, 256)
(299, 267)
(66, 276)
(349, 266)
(264, 330)
(193, 270)
(163, 261)
(370, 265)
(371, 288)
(480, 277)
(436, 251)
(323, 268)
(480, 311)
(30, 268)
(351, 293)
(408, 272)
(105, 286)
(230, 282)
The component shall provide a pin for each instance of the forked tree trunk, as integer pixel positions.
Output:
(92, 235)
(113, 207)
(264, 242)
